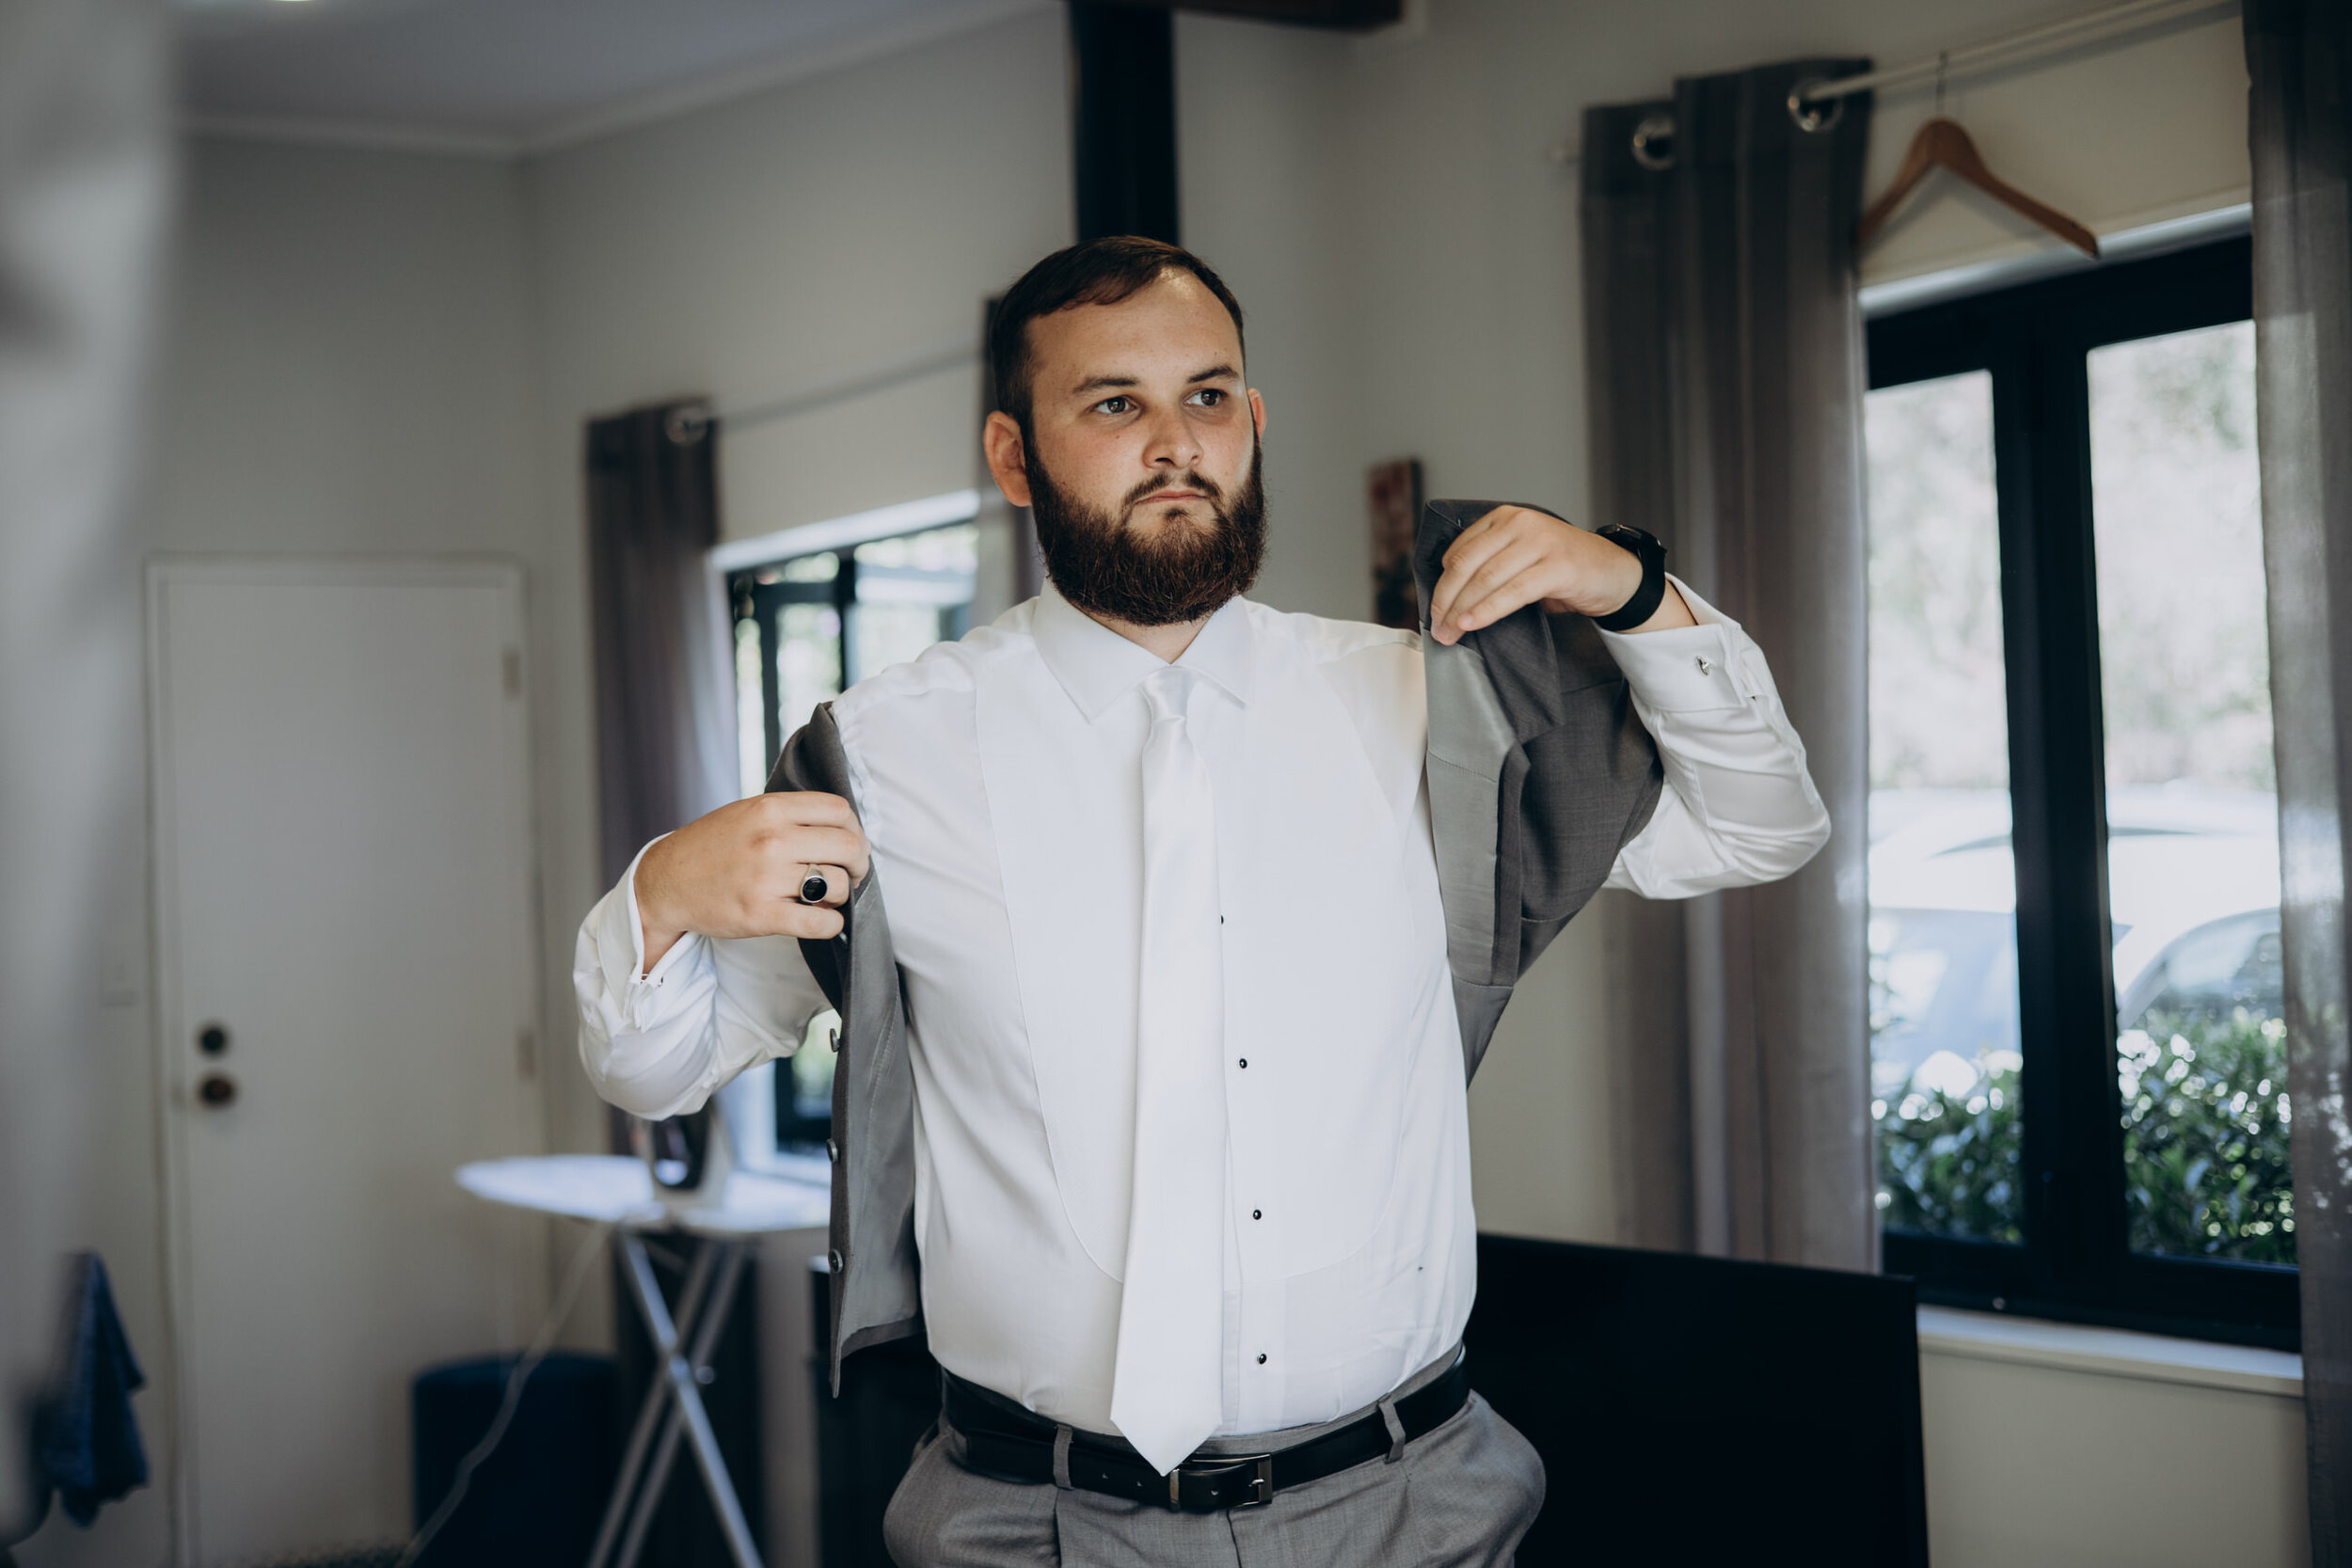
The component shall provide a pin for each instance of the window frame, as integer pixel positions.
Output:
(2076, 1263)
(751, 599)
(759, 602)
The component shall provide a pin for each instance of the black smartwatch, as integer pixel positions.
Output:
(1651, 552)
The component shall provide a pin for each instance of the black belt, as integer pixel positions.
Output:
(1014, 1445)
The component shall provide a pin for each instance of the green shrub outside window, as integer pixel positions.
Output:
(2205, 1119)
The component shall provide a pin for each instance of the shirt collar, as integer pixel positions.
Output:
(1097, 666)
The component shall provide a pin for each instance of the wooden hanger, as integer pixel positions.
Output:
(1942, 144)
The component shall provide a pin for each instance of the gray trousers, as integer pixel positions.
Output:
(1459, 1496)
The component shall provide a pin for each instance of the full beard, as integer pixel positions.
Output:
(1109, 567)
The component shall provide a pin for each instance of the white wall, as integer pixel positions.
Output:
(803, 237)
(2085, 1447)
(350, 366)
(347, 371)
(1385, 209)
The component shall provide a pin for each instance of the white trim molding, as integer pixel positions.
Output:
(2109, 1352)
(351, 136)
(2231, 217)
(837, 533)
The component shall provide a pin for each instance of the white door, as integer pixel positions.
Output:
(345, 948)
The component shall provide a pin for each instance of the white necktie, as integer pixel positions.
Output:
(1167, 1390)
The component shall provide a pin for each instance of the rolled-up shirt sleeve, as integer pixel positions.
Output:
(1738, 806)
(658, 1044)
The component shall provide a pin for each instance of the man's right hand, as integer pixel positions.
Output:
(739, 872)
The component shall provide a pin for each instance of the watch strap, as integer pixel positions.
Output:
(1651, 552)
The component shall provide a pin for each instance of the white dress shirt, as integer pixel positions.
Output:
(996, 780)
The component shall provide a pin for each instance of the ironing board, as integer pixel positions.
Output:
(617, 1190)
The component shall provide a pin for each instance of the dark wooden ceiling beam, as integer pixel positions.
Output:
(1346, 15)
(1123, 100)
(1122, 112)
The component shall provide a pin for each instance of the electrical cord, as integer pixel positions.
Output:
(566, 1299)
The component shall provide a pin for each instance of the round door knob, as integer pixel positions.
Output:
(217, 1090)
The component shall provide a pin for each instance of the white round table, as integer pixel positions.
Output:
(616, 1190)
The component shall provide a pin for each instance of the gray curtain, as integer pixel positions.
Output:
(658, 624)
(1724, 375)
(2299, 56)
(86, 178)
(665, 754)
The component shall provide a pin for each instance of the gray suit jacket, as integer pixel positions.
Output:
(1538, 773)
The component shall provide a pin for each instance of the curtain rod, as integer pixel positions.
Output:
(2010, 49)
(874, 378)
(2051, 37)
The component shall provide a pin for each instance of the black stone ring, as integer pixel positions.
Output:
(814, 887)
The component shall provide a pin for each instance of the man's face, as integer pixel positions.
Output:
(1142, 456)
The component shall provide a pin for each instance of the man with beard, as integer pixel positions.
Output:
(1151, 1105)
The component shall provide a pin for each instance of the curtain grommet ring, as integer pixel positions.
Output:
(1654, 143)
(1811, 118)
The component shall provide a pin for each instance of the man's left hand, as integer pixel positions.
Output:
(1514, 557)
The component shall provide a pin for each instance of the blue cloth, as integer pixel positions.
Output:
(89, 1445)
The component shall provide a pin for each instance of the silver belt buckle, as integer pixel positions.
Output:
(1260, 1479)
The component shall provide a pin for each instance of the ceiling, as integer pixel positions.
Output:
(516, 75)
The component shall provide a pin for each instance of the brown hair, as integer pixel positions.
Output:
(1099, 271)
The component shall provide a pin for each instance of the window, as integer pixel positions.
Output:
(806, 630)
(2078, 1058)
